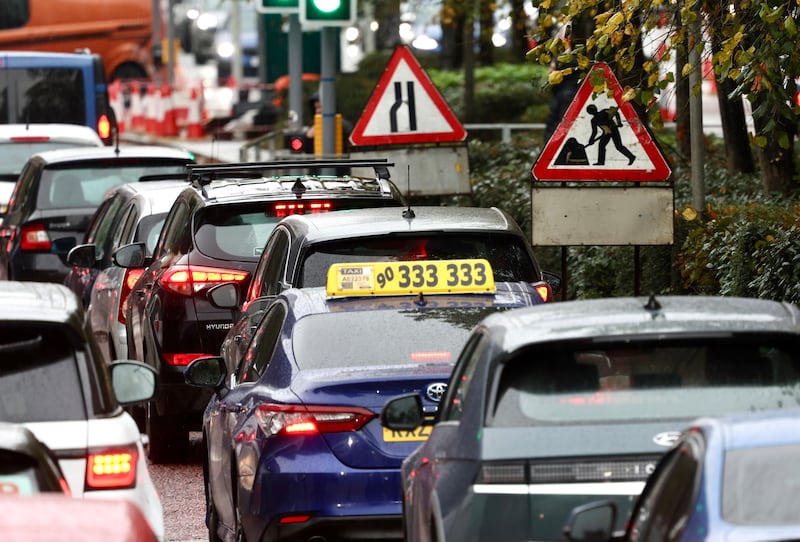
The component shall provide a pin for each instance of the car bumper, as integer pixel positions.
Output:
(294, 481)
(38, 267)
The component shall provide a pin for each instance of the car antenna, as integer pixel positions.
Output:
(408, 212)
(652, 303)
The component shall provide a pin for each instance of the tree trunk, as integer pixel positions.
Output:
(519, 31)
(738, 156)
(776, 164)
(469, 60)
(682, 120)
(486, 20)
(387, 13)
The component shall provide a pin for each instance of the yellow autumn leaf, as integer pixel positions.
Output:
(686, 70)
(629, 95)
(555, 78)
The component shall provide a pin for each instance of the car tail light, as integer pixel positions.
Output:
(544, 291)
(188, 280)
(34, 237)
(104, 127)
(183, 359)
(288, 520)
(286, 208)
(112, 468)
(301, 420)
(128, 281)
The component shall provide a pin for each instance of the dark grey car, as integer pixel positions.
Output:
(562, 404)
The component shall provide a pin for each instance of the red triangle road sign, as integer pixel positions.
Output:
(405, 107)
(601, 139)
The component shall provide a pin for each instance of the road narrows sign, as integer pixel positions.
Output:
(601, 139)
(406, 108)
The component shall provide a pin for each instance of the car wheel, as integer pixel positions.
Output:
(168, 440)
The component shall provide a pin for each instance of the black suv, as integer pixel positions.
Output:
(215, 233)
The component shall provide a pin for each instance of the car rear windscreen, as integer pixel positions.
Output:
(87, 185)
(507, 254)
(14, 155)
(659, 379)
(38, 95)
(39, 378)
(417, 336)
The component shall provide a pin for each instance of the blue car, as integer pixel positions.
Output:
(727, 478)
(294, 449)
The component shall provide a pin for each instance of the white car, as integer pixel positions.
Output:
(20, 141)
(53, 381)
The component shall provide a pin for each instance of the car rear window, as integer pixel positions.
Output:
(357, 339)
(630, 381)
(38, 95)
(14, 155)
(18, 474)
(39, 378)
(87, 186)
(760, 484)
(507, 254)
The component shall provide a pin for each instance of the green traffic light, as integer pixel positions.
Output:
(328, 6)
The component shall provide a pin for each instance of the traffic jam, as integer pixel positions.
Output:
(348, 361)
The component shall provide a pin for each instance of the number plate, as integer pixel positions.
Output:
(415, 435)
(401, 278)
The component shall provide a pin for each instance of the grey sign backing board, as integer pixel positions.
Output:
(423, 170)
(569, 216)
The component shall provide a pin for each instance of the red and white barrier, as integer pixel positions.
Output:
(194, 124)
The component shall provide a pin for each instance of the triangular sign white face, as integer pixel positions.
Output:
(405, 107)
(601, 139)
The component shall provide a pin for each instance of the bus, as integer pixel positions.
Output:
(120, 31)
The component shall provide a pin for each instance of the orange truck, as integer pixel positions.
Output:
(120, 31)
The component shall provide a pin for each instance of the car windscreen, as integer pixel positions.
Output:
(37, 95)
(86, 185)
(39, 378)
(759, 485)
(507, 254)
(358, 339)
(659, 379)
(13, 155)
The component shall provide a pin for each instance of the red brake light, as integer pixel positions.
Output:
(294, 519)
(112, 469)
(30, 139)
(104, 127)
(34, 237)
(306, 420)
(131, 276)
(282, 209)
(188, 280)
(181, 360)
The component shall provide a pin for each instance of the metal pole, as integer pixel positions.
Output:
(295, 72)
(696, 118)
(170, 39)
(328, 89)
(236, 34)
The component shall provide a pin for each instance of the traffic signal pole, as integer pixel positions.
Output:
(296, 71)
(328, 89)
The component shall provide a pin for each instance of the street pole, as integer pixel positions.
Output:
(170, 52)
(696, 117)
(328, 89)
(236, 35)
(295, 72)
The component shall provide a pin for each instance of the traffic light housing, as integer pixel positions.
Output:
(278, 6)
(319, 13)
(295, 142)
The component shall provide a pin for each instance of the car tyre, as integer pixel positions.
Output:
(212, 520)
(168, 440)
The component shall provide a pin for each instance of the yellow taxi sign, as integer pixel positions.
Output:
(412, 277)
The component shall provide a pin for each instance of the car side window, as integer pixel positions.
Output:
(127, 223)
(275, 256)
(452, 405)
(262, 346)
(22, 193)
(176, 231)
(664, 510)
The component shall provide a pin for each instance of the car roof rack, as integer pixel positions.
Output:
(205, 171)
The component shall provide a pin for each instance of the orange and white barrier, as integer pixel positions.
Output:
(194, 124)
(168, 125)
(137, 120)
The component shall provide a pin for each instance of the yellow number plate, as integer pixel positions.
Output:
(415, 435)
(401, 278)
